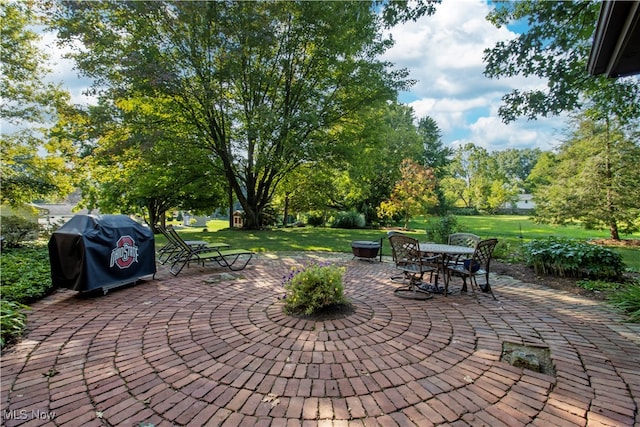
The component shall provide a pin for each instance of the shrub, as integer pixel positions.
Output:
(16, 229)
(439, 228)
(350, 219)
(315, 219)
(563, 257)
(628, 300)
(312, 288)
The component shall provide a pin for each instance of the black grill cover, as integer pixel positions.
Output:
(100, 251)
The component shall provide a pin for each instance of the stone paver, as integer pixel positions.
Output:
(209, 348)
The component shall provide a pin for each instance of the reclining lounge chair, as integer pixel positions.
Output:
(233, 259)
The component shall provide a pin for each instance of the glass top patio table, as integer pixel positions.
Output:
(444, 249)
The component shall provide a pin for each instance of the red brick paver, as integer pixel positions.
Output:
(206, 348)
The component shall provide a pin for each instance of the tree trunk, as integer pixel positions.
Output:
(230, 207)
(286, 209)
(613, 230)
(611, 208)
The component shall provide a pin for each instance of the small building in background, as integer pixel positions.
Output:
(238, 220)
(525, 205)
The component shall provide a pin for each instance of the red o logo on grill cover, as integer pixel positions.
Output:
(125, 253)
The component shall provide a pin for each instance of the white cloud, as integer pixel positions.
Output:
(444, 53)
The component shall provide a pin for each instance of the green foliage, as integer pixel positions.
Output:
(554, 47)
(591, 179)
(476, 181)
(439, 228)
(259, 85)
(315, 219)
(509, 251)
(26, 273)
(312, 288)
(12, 320)
(16, 229)
(31, 167)
(350, 219)
(627, 300)
(598, 285)
(413, 194)
(26, 277)
(563, 257)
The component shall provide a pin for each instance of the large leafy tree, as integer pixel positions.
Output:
(32, 167)
(595, 178)
(555, 47)
(261, 82)
(475, 181)
(516, 165)
(134, 166)
(362, 170)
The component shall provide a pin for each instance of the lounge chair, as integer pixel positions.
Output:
(172, 247)
(233, 259)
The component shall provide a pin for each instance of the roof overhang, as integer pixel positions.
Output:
(615, 51)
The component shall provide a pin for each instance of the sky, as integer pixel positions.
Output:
(443, 53)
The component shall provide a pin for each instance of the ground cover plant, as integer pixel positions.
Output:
(565, 257)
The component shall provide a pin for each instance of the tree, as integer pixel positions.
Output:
(32, 168)
(555, 47)
(436, 157)
(475, 180)
(146, 162)
(361, 173)
(516, 165)
(262, 82)
(594, 179)
(414, 194)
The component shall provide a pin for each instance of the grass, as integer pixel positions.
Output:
(512, 230)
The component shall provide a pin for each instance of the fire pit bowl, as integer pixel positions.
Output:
(366, 249)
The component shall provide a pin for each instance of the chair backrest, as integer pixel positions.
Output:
(484, 250)
(177, 239)
(464, 239)
(404, 249)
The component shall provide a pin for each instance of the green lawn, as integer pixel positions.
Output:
(512, 230)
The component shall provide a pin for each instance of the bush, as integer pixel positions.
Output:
(315, 219)
(312, 288)
(350, 219)
(508, 251)
(439, 228)
(570, 258)
(628, 300)
(16, 229)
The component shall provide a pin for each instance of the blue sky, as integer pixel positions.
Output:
(443, 53)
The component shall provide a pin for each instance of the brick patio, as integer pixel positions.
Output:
(214, 348)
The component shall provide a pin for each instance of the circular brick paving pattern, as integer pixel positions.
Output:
(206, 348)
